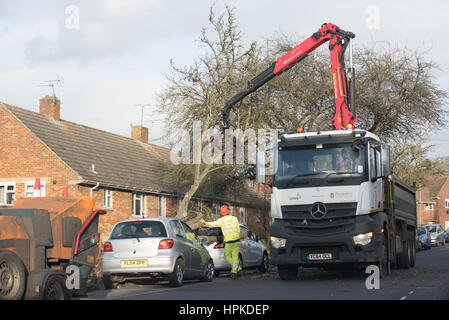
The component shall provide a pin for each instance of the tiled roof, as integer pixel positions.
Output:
(120, 162)
(431, 191)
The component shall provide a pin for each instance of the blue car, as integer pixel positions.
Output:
(446, 236)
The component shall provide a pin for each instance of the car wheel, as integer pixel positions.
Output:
(288, 272)
(265, 263)
(209, 272)
(109, 283)
(12, 276)
(176, 278)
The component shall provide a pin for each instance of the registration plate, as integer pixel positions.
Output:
(134, 263)
(319, 256)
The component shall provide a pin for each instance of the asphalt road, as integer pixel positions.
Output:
(428, 280)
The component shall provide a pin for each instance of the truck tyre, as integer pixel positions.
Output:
(47, 284)
(384, 256)
(412, 249)
(288, 272)
(12, 276)
(404, 256)
(176, 278)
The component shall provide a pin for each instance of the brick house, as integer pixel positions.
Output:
(432, 202)
(124, 175)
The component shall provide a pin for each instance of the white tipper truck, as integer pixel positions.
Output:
(335, 203)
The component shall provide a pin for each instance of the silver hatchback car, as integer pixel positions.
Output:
(253, 253)
(154, 248)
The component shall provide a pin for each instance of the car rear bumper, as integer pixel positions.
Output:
(158, 264)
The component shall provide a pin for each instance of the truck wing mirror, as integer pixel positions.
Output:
(385, 154)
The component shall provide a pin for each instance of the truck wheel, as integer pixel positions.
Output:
(12, 276)
(405, 255)
(176, 278)
(54, 289)
(412, 249)
(288, 272)
(383, 263)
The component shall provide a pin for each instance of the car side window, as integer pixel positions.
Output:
(189, 233)
(244, 233)
(177, 228)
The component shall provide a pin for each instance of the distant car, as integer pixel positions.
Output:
(446, 236)
(154, 248)
(424, 241)
(436, 234)
(253, 252)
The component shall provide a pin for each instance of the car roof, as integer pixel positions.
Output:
(160, 219)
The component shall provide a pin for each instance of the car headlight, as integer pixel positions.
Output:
(278, 242)
(363, 239)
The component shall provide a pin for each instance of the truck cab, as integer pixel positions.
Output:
(332, 198)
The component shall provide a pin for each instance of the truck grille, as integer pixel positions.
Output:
(340, 217)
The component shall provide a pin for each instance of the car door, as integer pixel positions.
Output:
(198, 252)
(256, 250)
(245, 248)
(183, 245)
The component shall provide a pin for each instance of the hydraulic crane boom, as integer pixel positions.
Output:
(345, 115)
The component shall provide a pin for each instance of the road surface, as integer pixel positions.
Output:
(428, 280)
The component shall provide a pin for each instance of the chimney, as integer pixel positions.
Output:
(50, 105)
(140, 133)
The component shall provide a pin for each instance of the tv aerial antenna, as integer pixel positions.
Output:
(142, 106)
(52, 83)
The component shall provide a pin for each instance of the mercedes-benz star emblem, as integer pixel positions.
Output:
(318, 210)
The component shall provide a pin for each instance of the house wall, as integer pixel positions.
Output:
(23, 158)
(442, 214)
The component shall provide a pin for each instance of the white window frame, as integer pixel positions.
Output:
(243, 217)
(142, 197)
(31, 184)
(446, 203)
(428, 206)
(162, 206)
(5, 192)
(107, 194)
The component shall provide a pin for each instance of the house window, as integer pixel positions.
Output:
(162, 206)
(29, 189)
(428, 206)
(138, 205)
(446, 205)
(107, 198)
(242, 215)
(7, 193)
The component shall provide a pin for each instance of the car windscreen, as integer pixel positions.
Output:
(432, 229)
(138, 229)
(421, 231)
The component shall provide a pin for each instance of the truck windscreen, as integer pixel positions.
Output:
(313, 165)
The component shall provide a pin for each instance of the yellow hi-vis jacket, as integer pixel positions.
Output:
(230, 227)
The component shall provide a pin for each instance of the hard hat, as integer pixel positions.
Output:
(224, 210)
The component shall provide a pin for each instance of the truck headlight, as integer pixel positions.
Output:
(278, 242)
(363, 239)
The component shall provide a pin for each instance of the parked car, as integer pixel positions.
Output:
(436, 234)
(253, 252)
(446, 236)
(424, 241)
(155, 248)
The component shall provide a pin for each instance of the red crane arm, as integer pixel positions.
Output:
(345, 116)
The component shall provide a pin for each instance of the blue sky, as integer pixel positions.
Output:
(118, 56)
